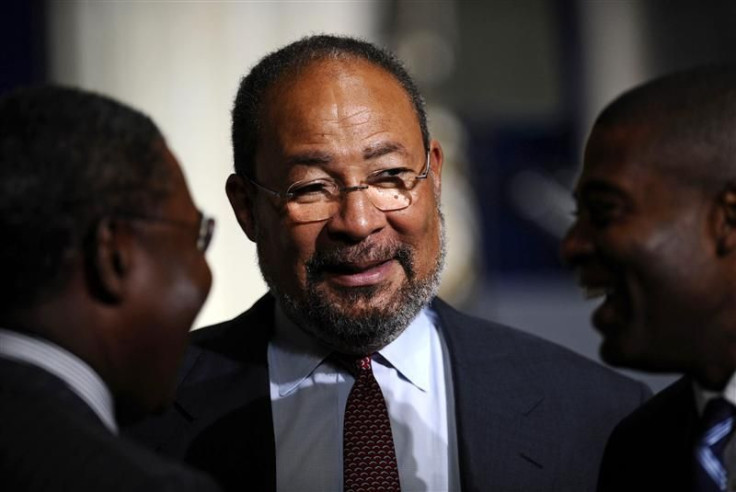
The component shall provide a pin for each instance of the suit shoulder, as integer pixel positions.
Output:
(74, 451)
(247, 325)
(651, 449)
(672, 406)
(542, 359)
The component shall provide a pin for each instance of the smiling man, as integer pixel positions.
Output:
(656, 238)
(350, 374)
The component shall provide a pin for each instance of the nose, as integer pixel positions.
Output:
(357, 217)
(576, 245)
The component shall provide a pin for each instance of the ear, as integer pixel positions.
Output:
(726, 220)
(110, 260)
(241, 201)
(436, 159)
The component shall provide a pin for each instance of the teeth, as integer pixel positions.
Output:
(596, 292)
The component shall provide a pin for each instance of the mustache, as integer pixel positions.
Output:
(338, 257)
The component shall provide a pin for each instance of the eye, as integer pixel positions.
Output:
(396, 177)
(312, 191)
(602, 212)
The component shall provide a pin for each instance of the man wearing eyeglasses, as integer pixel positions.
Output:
(350, 374)
(103, 274)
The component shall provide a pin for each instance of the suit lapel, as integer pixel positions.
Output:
(226, 399)
(499, 408)
(224, 358)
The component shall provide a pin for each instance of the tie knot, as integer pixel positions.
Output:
(355, 365)
(363, 364)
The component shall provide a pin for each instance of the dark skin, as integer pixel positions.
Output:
(129, 301)
(343, 120)
(661, 251)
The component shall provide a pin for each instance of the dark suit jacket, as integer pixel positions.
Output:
(50, 440)
(652, 449)
(531, 416)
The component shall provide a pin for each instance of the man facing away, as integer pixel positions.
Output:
(104, 272)
(656, 235)
(338, 183)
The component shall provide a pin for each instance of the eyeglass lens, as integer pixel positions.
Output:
(206, 231)
(384, 199)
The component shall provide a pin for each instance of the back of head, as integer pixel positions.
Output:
(287, 62)
(690, 115)
(67, 158)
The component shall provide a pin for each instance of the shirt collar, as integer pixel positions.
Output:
(410, 353)
(77, 374)
(296, 354)
(703, 396)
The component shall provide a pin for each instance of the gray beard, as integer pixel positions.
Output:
(331, 323)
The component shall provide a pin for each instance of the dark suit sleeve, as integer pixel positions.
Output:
(651, 449)
(531, 415)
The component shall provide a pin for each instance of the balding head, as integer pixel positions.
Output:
(689, 119)
(285, 65)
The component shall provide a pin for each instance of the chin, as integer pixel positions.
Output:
(359, 299)
(615, 352)
(618, 354)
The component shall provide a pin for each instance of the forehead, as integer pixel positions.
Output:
(629, 163)
(339, 106)
(622, 155)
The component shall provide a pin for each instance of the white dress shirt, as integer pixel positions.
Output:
(76, 373)
(702, 397)
(309, 393)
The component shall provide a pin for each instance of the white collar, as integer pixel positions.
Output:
(76, 373)
(703, 396)
(297, 354)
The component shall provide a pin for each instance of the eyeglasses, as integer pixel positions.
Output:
(319, 199)
(206, 227)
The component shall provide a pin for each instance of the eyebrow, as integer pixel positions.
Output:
(381, 149)
(321, 158)
(597, 186)
(311, 158)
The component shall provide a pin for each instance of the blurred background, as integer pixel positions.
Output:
(511, 85)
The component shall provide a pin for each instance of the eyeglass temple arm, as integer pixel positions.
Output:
(425, 173)
(264, 188)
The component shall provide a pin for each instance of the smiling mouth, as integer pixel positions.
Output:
(597, 283)
(349, 268)
(360, 274)
(597, 292)
(614, 312)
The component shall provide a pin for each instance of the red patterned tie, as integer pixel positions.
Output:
(369, 459)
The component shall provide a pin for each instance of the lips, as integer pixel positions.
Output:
(360, 274)
(360, 265)
(615, 310)
(596, 292)
(353, 267)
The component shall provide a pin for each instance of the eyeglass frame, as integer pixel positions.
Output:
(285, 195)
(205, 228)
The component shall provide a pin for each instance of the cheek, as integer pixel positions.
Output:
(173, 311)
(188, 280)
(670, 276)
(285, 249)
(420, 228)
